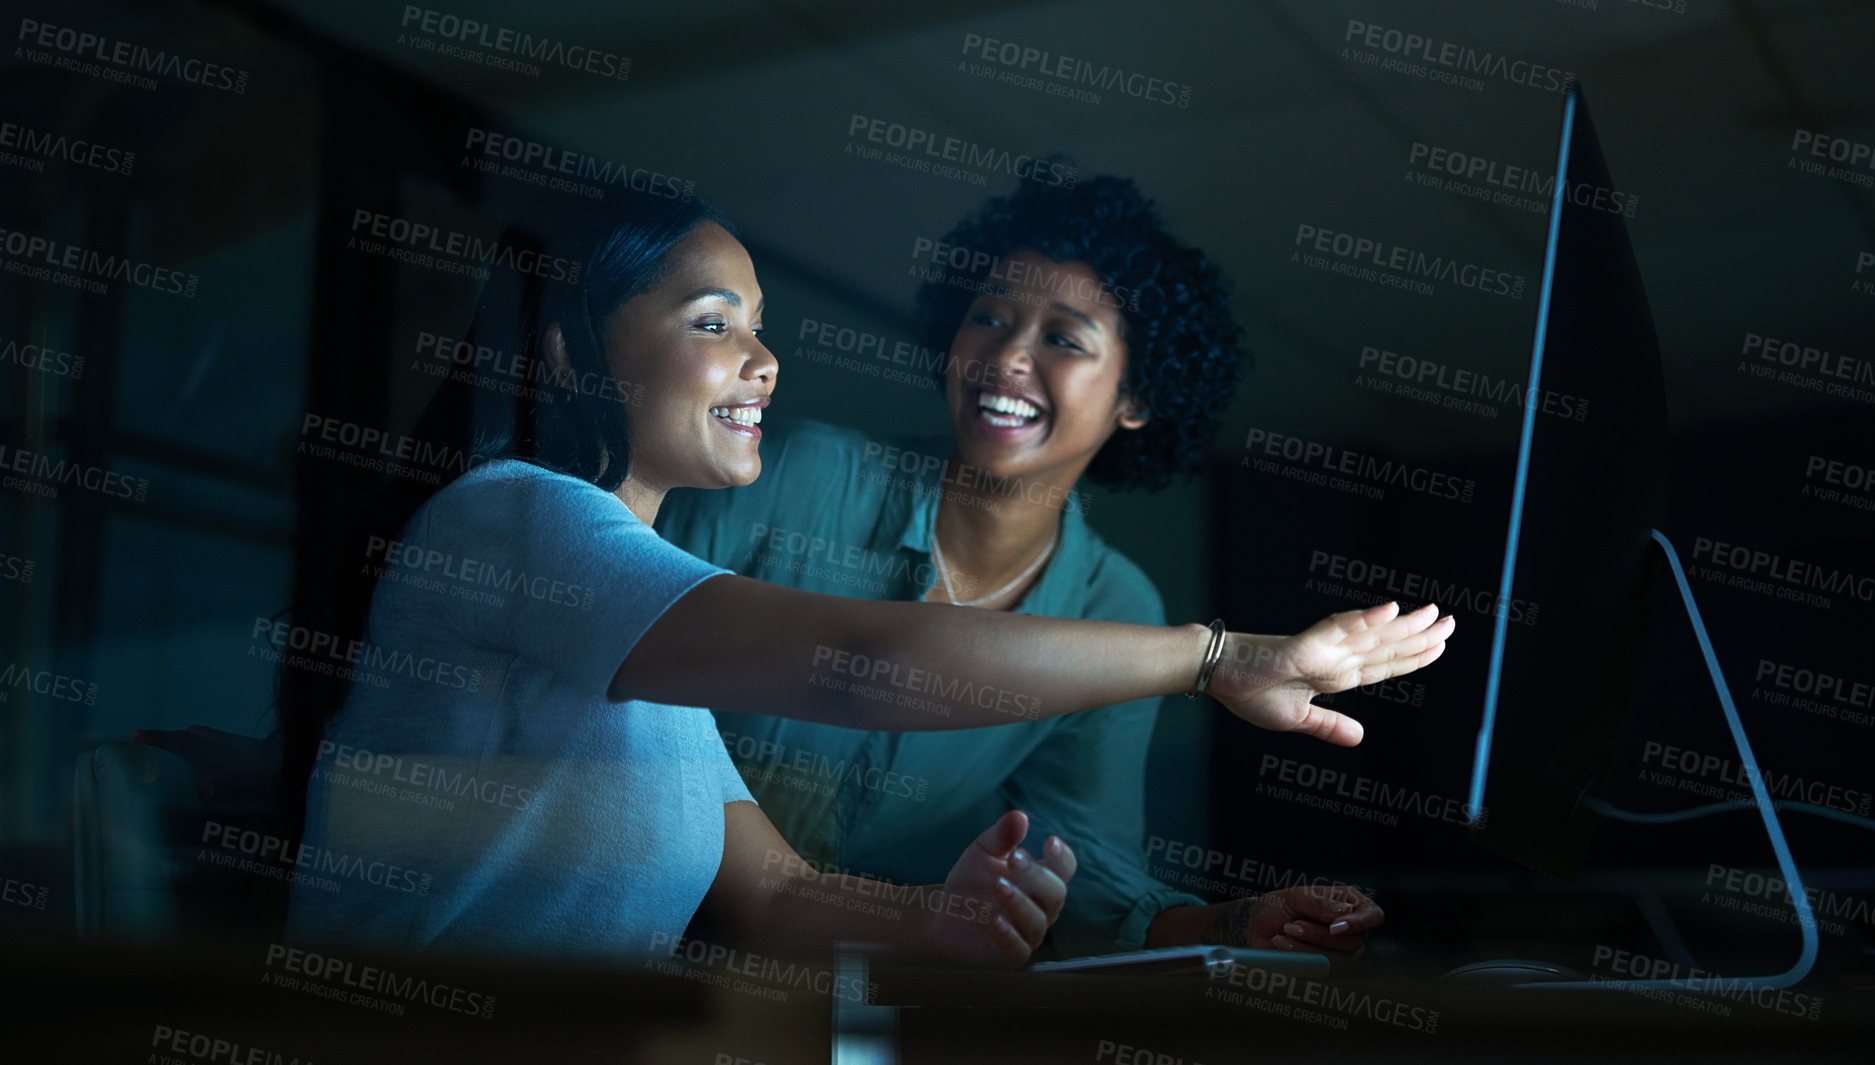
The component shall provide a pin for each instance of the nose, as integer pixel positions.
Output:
(760, 364)
(1014, 357)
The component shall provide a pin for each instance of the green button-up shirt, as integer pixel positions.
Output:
(836, 512)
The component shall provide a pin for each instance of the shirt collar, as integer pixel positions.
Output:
(908, 517)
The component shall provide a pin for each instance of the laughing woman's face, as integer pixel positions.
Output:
(1034, 379)
(691, 364)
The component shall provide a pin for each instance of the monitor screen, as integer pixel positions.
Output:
(1590, 479)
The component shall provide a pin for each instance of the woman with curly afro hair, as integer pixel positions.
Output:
(1164, 305)
(1077, 338)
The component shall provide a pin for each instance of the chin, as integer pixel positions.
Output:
(987, 456)
(744, 477)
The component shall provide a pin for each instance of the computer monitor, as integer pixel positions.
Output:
(1582, 545)
(1588, 491)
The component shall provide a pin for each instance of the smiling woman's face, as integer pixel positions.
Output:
(1035, 371)
(689, 356)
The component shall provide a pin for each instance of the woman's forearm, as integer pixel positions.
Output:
(986, 667)
(743, 645)
(809, 910)
(765, 893)
(1181, 925)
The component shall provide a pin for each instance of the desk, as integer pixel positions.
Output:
(987, 1018)
(217, 1002)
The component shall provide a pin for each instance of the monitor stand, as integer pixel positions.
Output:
(1806, 920)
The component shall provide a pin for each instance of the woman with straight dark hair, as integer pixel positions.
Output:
(520, 764)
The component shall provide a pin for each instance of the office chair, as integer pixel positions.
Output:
(125, 864)
(139, 813)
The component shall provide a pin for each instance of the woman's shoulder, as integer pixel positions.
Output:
(823, 443)
(1117, 588)
(507, 505)
(812, 443)
(507, 483)
(507, 469)
(822, 469)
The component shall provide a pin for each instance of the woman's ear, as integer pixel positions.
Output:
(1133, 414)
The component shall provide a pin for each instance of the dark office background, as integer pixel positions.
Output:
(1707, 112)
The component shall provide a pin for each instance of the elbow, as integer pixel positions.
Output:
(857, 681)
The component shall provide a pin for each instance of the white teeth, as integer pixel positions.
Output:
(1021, 408)
(739, 415)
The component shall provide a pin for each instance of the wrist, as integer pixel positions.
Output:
(1213, 654)
(921, 940)
(1178, 926)
(1248, 664)
(1194, 643)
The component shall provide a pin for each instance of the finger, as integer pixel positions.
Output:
(1005, 835)
(1321, 903)
(1009, 943)
(1329, 726)
(1401, 627)
(1022, 912)
(1335, 628)
(1409, 623)
(1399, 666)
(1058, 856)
(1039, 883)
(1365, 917)
(1338, 627)
(1311, 934)
(1438, 631)
(1342, 908)
(1284, 942)
(1407, 645)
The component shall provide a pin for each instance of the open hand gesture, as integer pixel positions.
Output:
(1270, 681)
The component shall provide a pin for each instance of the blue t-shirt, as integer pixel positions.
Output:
(840, 513)
(477, 792)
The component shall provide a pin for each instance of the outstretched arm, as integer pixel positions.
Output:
(732, 643)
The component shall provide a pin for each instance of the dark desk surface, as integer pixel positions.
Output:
(1360, 1015)
(90, 1005)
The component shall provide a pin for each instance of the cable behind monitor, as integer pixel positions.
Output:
(1767, 811)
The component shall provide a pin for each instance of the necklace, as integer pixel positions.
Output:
(937, 555)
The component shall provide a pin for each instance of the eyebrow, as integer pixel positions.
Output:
(1057, 306)
(729, 295)
(1078, 315)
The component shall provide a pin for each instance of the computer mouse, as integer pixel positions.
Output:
(1505, 972)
